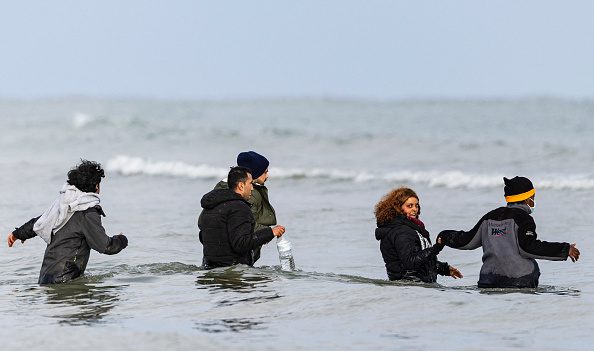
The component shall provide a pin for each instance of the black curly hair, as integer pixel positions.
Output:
(86, 176)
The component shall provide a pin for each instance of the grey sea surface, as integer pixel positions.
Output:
(331, 161)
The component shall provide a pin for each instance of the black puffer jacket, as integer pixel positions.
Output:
(262, 210)
(67, 255)
(406, 255)
(227, 230)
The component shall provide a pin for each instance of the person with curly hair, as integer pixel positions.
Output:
(404, 242)
(71, 227)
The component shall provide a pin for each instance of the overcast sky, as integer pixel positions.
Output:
(302, 48)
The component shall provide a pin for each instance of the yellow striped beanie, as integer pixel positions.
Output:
(518, 189)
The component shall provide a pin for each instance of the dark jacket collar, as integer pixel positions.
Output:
(397, 221)
(520, 206)
(217, 196)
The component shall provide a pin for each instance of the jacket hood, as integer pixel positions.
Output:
(520, 206)
(382, 230)
(217, 196)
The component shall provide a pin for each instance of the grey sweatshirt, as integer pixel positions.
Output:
(67, 255)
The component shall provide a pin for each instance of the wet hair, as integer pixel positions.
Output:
(237, 175)
(390, 205)
(86, 176)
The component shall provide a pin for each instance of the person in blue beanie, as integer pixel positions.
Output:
(262, 210)
(227, 225)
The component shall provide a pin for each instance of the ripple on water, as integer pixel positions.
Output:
(230, 325)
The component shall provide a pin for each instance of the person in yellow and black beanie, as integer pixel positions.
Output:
(519, 190)
(508, 237)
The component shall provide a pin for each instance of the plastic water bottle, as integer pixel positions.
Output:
(284, 253)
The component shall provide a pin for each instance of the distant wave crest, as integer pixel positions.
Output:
(80, 120)
(126, 165)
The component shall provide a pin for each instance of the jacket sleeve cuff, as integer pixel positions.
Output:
(25, 231)
(263, 236)
(437, 248)
(443, 268)
(565, 251)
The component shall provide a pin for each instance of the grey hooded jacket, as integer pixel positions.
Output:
(67, 254)
(510, 247)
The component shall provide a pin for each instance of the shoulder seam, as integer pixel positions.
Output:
(96, 208)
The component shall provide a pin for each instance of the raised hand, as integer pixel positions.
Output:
(11, 239)
(574, 253)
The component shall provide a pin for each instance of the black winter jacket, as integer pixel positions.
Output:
(406, 255)
(227, 230)
(67, 255)
(262, 210)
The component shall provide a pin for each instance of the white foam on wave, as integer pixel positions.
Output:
(574, 183)
(447, 179)
(81, 119)
(127, 165)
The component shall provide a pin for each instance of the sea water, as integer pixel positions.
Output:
(330, 162)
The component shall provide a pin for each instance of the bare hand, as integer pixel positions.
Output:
(574, 253)
(455, 273)
(278, 230)
(11, 239)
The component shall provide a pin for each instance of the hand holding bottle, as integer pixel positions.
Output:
(278, 230)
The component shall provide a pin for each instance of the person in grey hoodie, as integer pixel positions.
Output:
(508, 238)
(71, 227)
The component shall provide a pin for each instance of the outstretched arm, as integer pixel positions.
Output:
(22, 233)
(96, 237)
(531, 247)
(460, 239)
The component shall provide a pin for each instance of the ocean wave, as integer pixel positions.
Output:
(128, 166)
(80, 120)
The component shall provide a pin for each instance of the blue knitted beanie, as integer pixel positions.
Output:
(254, 161)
